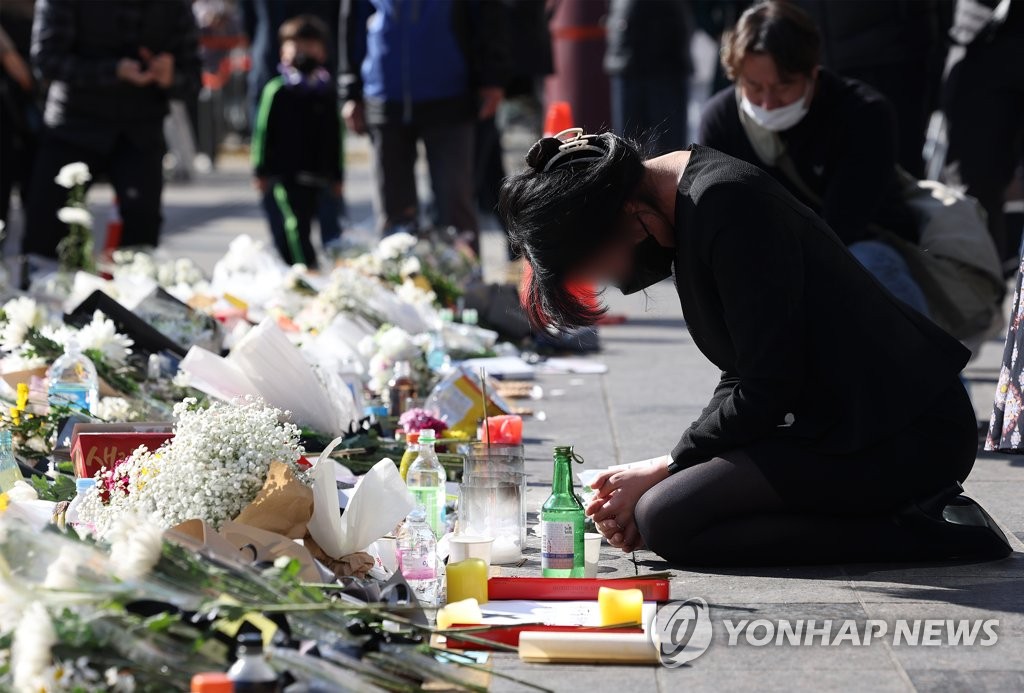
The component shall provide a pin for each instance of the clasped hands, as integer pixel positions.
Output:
(151, 68)
(613, 507)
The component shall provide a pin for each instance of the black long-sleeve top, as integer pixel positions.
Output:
(297, 135)
(844, 150)
(810, 346)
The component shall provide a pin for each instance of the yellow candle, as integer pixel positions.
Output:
(464, 613)
(467, 579)
(620, 607)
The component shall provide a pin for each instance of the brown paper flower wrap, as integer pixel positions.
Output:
(283, 506)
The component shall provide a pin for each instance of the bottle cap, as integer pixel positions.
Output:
(84, 484)
(427, 436)
(212, 682)
(417, 514)
(412, 437)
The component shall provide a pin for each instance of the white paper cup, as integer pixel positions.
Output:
(463, 546)
(591, 554)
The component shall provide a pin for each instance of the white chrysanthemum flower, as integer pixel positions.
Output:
(22, 491)
(395, 246)
(368, 264)
(62, 574)
(22, 314)
(114, 409)
(136, 544)
(395, 344)
(21, 361)
(75, 215)
(101, 334)
(30, 652)
(39, 444)
(73, 174)
(379, 372)
(411, 293)
(410, 266)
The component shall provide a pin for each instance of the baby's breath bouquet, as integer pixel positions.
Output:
(214, 466)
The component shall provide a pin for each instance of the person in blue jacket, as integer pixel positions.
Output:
(413, 71)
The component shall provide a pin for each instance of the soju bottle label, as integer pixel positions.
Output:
(557, 545)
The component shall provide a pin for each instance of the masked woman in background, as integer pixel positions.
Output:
(830, 141)
(812, 448)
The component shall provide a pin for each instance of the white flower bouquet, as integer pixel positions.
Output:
(214, 467)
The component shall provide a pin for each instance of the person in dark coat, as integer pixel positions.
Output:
(895, 47)
(20, 116)
(983, 99)
(811, 449)
(648, 59)
(112, 67)
(530, 63)
(831, 141)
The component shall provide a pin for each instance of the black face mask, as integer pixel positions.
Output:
(652, 262)
(305, 63)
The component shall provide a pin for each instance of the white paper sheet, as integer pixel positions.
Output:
(572, 364)
(502, 367)
(379, 502)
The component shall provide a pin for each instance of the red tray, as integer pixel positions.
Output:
(571, 589)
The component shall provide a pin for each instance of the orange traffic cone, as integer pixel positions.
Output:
(558, 118)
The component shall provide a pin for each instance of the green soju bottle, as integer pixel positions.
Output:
(561, 522)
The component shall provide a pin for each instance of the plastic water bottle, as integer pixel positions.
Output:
(426, 479)
(83, 487)
(73, 381)
(417, 557)
(250, 673)
(437, 358)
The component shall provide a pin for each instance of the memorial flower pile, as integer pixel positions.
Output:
(144, 581)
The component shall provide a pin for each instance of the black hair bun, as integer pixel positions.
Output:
(542, 151)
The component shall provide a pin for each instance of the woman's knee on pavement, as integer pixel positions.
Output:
(664, 520)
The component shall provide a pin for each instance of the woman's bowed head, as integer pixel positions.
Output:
(589, 210)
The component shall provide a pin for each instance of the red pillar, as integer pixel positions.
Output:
(578, 45)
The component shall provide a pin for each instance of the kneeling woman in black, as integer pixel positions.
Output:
(839, 431)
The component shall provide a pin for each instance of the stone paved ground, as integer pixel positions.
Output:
(657, 382)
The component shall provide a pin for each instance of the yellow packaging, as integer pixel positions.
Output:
(458, 401)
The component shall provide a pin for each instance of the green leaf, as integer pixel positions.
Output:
(60, 488)
(161, 622)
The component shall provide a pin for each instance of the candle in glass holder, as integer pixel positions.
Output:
(619, 607)
(467, 580)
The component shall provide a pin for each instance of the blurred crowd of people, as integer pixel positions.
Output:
(837, 99)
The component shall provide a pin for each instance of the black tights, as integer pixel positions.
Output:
(778, 502)
(725, 512)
